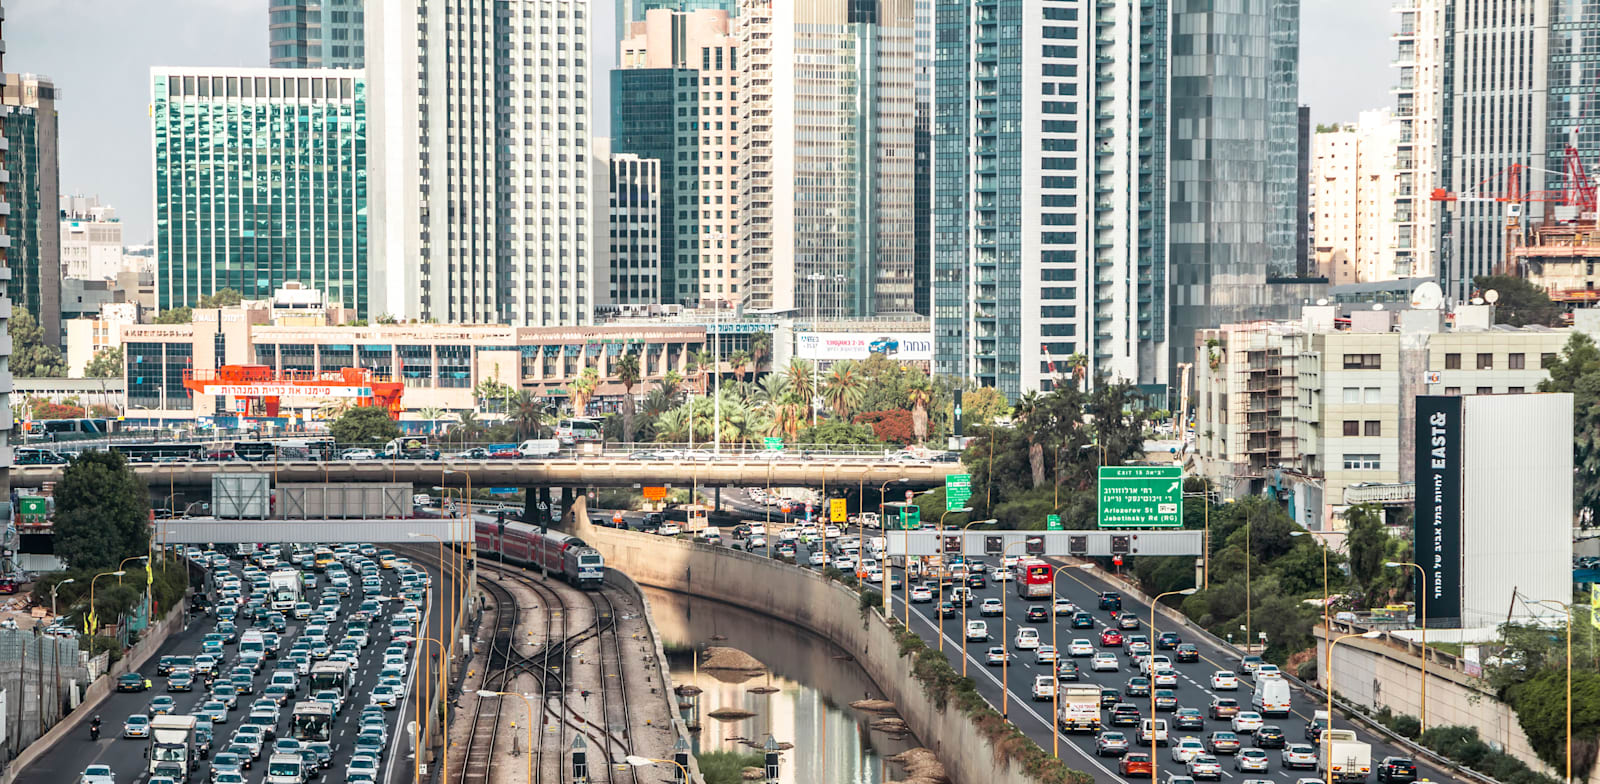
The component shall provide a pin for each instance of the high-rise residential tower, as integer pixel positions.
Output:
(91, 239)
(826, 156)
(260, 180)
(1049, 192)
(481, 172)
(675, 98)
(633, 228)
(5, 304)
(33, 187)
(316, 33)
(1357, 183)
(1419, 63)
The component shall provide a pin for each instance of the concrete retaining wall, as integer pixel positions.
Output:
(808, 600)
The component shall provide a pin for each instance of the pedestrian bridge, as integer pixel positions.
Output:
(420, 531)
(731, 471)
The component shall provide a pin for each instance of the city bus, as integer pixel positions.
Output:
(160, 453)
(67, 429)
(330, 675)
(1034, 579)
(579, 430)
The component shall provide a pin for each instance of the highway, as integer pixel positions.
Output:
(68, 758)
(1082, 588)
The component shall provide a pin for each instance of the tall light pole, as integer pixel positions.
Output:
(1055, 699)
(716, 378)
(1327, 742)
(94, 623)
(1422, 596)
(937, 618)
(964, 604)
(1154, 762)
(816, 279)
(53, 590)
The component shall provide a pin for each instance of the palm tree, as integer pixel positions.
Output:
(1028, 412)
(918, 396)
(470, 428)
(1080, 369)
(669, 384)
(799, 377)
(582, 389)
(627, 372)
(707, 365)
(432, 414)
(842, 389)
(739, 359)
(760, 350)
(528, 413)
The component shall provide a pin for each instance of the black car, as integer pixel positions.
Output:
(1083, 620)
(947, 609)
(1109, 697)
(163, 665)
(977, 581)
(1397, 770)
(1111, 600)
(741, 531)
(1188, 719)
(1167, 641)
(1187, 652)
(1125, 714)
(1270, 736)
(131, 681)
(1038, 614)
(652, 522)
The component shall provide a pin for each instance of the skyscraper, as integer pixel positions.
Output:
(481, 175)
(1234, 71)
(1420, 67)
(28, 121)
(1357, 182)
(5, 300)
(1049, 228)
(260, 179)
(826, 157)
(633, 226)
(675, 99)
(316, 33)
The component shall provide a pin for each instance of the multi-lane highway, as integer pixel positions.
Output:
(126, 756)
(1082, 588)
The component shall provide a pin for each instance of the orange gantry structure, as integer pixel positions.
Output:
(259, 382)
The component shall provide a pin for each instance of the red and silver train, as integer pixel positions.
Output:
(550, 551)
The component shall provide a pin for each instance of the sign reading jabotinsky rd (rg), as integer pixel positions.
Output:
(1141, 497)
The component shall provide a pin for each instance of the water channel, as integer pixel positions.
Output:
(815, 682)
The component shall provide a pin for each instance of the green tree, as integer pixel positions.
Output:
(102, 512)
(31, 357)
(368, 425)
(527, 414)
(837, 432)
(1577, 371)
(182, 315)
(1521, 303)
(107, 363)
(983, 405)
(1541, 706)
(1368, 543)
(222, 298)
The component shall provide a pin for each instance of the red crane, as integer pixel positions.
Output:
(1578, 191)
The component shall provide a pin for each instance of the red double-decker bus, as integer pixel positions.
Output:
(1033, 579)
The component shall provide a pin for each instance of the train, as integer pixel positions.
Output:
(549, 551)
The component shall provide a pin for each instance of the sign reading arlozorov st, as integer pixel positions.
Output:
(1141, 497)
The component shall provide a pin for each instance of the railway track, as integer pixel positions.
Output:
(548, 666)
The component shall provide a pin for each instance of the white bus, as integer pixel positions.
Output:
(578, 430)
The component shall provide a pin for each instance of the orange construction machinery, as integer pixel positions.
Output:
(258, 382)
(1577, 194)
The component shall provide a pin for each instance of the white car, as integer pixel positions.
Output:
(1045, 654)
(1080, 648)
(1299, 755)
(819, 558)
(1166, 679)
(1187, 749)
(1159, 661)
(921, 593)
(991, 607)
(1044, 687)
(1223, 680)
(1027, 639)
(1247, 721)
(669, 529)
(1267, 671)
(1000, 574)
(977, 631)
(845, 563)
(1104, 661)
(1064, 607)
(358, 454)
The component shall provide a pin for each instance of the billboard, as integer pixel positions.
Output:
(833, 346)
(1437, 536)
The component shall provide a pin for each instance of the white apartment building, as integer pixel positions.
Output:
(1325, 405)
(1420, 69)
(480, 160)
(91, 239)
(1356, 238)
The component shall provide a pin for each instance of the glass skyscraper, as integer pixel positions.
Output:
(28, 121)
(260, 179)
(316, 33)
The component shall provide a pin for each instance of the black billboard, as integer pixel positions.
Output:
(1437, 539)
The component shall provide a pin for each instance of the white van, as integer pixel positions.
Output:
(1271, 697)
(540, 447)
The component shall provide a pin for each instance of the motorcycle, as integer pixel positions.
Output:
(94, 730)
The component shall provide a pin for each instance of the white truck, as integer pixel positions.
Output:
(1271, 697)
(284, 585)
(1349, 759)
(1080, 709)
(172, 746)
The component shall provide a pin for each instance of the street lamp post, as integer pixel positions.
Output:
(53, 590)
(444, 705)
(645, 762)
(1055, 698)
(1327, 742)
(964, 528)
(94, 626)
(1422, 595)
(883, 525)
(1154, 762)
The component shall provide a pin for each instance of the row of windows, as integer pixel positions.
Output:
(1485, 361)
(1355, 427)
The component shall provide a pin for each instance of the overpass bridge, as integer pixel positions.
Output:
(401, 530)
(599, 471)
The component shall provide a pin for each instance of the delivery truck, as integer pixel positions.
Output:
(1347, 758)
(172, 746)
(1080, 708)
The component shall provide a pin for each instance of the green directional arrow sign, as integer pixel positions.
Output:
(774, 444)
(1141, 497)
(1052, 522)
(957, 491)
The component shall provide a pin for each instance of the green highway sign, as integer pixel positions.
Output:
(957, 491)
(1052, 523)
(774, 444)
(1141, 497)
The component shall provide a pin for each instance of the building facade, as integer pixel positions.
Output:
(6, 232)
(32, 187)
(675, 98)
(260, 179)
(1358, 183)
(1050, 183)
(316, 33)
(1419, 60)
(481, 162)
(91, 239)
(633, 226)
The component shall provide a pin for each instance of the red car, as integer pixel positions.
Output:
(1111, 638)
(1135, 763)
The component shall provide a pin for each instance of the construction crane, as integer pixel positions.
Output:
(1578, 192)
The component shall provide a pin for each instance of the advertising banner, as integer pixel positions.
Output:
(1437, 536)
(832, 346)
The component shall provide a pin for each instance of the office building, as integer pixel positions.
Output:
(1358, 183)
(922, 174)
(631, 12)
(1302, 232)
(6, 300)
(1050, 189)
(32, 186)
(1233, 121)
(675, 99)
(1420, 78)
(91, 239)
(260, 179)
(826, 157)
(316, 33)
(633, 223)
(481, 173)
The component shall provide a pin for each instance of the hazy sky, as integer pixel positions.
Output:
(99, 53)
